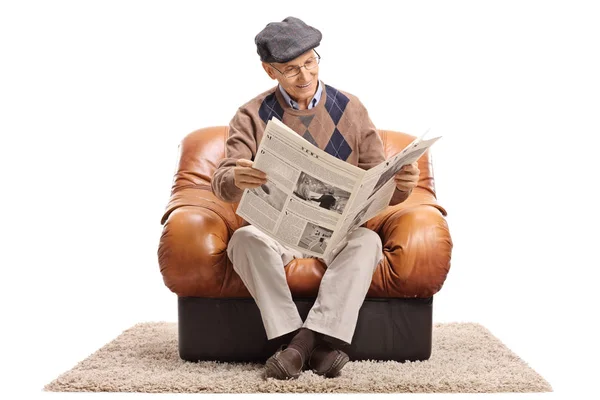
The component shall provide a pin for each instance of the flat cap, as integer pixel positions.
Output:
(283, 41)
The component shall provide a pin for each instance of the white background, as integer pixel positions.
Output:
(95, 97)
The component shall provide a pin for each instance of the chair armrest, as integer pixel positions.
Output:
(202, 196)
(192, 251)
(417, 250)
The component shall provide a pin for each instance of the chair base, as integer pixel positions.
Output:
(231, 329)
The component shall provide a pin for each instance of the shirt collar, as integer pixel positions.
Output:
(313, 102)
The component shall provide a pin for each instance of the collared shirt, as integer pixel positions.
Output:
(313, 102)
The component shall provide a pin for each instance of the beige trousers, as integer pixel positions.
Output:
(260, 260)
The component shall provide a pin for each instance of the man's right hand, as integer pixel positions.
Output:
(246, 177)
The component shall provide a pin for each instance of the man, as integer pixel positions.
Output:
(326, 200)
(338, 123)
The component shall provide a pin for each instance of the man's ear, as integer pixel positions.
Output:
(269, 70)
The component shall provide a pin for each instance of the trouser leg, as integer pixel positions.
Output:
(260, 261)
(345, 285)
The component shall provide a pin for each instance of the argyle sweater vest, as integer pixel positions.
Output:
(339, 124)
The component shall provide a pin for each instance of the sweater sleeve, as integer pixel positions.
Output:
(240, 144)
(371, 152)
(370, 145)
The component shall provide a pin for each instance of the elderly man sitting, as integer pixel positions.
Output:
(337, 122)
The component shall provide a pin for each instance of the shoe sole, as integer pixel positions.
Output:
(275, 370)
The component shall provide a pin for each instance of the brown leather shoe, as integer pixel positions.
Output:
(327, 361)
(286, 363)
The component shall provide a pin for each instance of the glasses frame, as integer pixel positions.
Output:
(299, 67)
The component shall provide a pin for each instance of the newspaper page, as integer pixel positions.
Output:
(312, 199)
(377, 187)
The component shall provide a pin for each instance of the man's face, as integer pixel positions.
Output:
(301, 87)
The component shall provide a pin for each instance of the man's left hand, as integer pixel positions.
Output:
(408, 177)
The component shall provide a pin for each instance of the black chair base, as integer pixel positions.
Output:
(231, 329)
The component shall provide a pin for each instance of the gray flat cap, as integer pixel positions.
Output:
(283, 41)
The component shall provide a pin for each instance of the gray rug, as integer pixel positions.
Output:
(466, 357)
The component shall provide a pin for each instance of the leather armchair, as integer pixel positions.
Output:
(193, 261)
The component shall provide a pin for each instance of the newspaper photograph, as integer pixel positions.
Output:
(312, 189)
(313, 200)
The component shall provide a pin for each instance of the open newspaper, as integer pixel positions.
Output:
(313, 200)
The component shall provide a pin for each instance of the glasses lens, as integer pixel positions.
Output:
(293, 71)
(311, 63)
(289, 73)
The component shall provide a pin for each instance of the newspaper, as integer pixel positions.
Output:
(313, 200)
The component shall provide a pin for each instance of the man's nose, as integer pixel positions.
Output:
(305, 73)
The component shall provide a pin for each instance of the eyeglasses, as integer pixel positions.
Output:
(291, 71)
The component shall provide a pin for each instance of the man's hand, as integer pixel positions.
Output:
(246, 177)
(408, 177)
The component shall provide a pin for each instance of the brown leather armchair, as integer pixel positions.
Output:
(218, 319)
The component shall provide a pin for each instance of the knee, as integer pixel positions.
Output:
(242, 235)
(367, 238)
(241, 239)
(248, 238)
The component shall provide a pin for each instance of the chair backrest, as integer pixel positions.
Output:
(201, 151)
